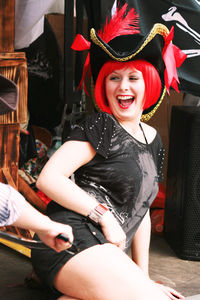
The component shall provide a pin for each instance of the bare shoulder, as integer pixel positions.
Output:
(149, 131)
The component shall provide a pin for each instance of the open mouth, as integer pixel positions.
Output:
(125, 101)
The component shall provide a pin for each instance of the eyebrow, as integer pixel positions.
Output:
(130, 73)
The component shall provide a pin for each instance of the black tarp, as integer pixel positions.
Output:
(184, 15)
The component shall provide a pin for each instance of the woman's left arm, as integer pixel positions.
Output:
(140, 254)
(140, 244)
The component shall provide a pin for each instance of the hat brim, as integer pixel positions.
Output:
(8, 95)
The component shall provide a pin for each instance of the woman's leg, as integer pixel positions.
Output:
(104, 272)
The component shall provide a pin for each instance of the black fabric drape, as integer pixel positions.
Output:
(185, 17)
(45, 80)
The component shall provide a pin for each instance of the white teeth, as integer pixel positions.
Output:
(124, 97)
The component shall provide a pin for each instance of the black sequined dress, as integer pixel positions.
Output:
(124, 174)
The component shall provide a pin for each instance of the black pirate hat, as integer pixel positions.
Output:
(8, 95)
(121, 41)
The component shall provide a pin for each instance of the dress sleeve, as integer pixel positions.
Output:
(159, 156)
(97, 129)
(11, 204)
(160, 159)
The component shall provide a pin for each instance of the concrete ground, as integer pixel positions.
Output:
(165, 266)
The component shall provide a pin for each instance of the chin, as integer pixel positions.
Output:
(127, 116)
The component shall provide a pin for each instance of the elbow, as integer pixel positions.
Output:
(39, 183)
(42, 182)
(46, 180)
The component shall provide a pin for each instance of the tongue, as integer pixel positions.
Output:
(126, 102)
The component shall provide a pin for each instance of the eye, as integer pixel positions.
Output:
(114, 77)
(133, 78)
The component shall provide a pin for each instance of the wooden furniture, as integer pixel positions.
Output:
(13, 65)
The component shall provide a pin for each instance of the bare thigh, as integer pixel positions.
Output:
(104, 272)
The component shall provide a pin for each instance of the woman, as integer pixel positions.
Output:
(117, 162)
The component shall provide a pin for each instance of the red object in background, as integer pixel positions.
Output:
(157, 211)
(157, 221)
(43, 197)
(159, 202)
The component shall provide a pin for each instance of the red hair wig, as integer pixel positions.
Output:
(151, 79)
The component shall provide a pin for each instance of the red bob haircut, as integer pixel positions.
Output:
(151, 79)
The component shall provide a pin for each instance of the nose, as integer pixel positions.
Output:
(123, 86)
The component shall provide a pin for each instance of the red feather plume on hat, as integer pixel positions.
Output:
(120, 24)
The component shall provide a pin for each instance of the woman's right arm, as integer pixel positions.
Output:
(54, 179)
(55, 183)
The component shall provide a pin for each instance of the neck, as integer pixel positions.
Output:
(131, 126)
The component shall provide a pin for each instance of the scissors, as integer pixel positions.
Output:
(33, 244)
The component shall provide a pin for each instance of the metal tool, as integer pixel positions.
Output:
(33, 244)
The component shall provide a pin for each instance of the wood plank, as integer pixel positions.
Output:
(30, 195)
(9, 150)
(12, 55)
(19, 248)
(8, 177)
(14, 67)
(7, 25)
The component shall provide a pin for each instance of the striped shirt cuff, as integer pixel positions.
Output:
(11, 204)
